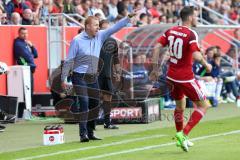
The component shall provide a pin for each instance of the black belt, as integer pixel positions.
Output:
(87, 76)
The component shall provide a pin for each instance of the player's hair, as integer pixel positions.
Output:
(186, 12)
(21, 29)
(89, 20)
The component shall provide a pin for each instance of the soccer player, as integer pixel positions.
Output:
(182, 42)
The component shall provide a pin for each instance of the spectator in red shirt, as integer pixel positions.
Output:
(154, 10)
(57, 6)
(15, 6)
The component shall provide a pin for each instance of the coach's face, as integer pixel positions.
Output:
(23, 34)
(93, 27)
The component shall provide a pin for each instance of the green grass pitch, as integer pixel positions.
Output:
(217, 137)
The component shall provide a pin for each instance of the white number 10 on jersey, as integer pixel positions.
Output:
(175, 47)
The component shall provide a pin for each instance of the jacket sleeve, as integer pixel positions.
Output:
(21, 51)
(34, 52)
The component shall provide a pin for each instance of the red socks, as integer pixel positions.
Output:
(194, 119)
(178, 118)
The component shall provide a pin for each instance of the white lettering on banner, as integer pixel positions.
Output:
(118, 113)
(153, 110)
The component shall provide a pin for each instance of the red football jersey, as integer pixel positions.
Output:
(182, 42)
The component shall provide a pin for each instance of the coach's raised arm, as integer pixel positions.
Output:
(104, 34)
(80, 45)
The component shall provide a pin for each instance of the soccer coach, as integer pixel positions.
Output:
(82, 59)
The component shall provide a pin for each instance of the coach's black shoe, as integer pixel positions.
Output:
(84, 138)
(93, 137)
(2, 128)
(110, 126)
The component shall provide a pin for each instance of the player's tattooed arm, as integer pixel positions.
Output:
(156, 67)
(155, 57)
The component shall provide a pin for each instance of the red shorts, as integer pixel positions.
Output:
(190, 89)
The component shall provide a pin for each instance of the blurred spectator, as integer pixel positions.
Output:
(92, 8)
(28, 3)
(210, 53)
(163, 19)
(105, 8)
(57, 6)
(34, 5)
(113, 11)
(3, 16)
(224, 10)
(148, 4)
(137, 6)
(232, 50)
(130, 6)
(16, 6)
(79, 10)
(234, 13)
(140, 73)
(45, 9)
(27, 17)
(122, 7)
(99, 9)
(143, 20)
(154, 9)
(76, 2)
(68, 7)
(170, 20)
(85, 7)
(15, 19)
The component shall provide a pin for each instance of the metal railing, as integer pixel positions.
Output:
(202, 7)
(56, 24)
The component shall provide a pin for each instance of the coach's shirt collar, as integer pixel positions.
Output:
(85, 35)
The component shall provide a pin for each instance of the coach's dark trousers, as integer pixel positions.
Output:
(88, 99)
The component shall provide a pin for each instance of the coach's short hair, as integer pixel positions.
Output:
(21, 29)
(186, 12)
(89, 19)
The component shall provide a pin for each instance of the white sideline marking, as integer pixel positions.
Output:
(92, 147)
(156, 146)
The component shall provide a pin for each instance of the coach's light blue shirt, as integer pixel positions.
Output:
(87, 49)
